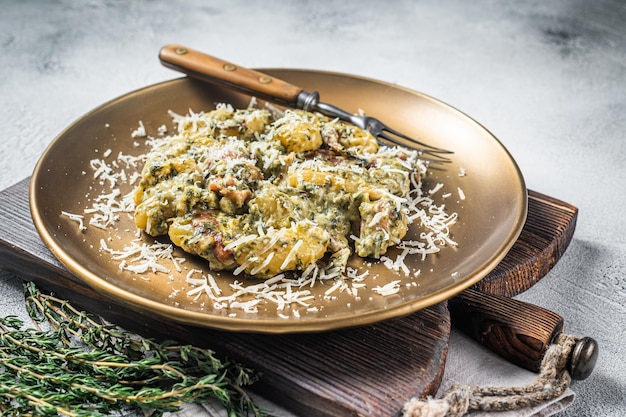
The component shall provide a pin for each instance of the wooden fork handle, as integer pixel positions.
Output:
(520, 332)
(209, 68)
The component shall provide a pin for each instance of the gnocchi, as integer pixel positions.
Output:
(263, 194)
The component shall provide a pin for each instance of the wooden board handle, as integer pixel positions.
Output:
(208, 68)
(518, 331)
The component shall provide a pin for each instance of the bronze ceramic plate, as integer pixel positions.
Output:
(490, 217)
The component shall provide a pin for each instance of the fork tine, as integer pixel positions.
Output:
(430, 149)
(434, 157)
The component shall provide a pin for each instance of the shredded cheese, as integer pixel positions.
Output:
(140, 258)
(388, 289)
(77, 218)
(285, 292)
(140, 131)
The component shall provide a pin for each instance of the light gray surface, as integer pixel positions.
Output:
(548, 78)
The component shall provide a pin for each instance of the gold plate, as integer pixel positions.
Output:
(491, 215)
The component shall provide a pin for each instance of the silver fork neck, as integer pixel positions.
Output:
(307, 101)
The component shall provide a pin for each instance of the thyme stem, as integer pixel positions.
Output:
(81, 367)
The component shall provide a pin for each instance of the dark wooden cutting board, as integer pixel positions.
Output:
(365, 371)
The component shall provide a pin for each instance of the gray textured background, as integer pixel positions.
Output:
(548, 78)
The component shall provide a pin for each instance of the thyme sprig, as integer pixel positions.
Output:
(80, 366)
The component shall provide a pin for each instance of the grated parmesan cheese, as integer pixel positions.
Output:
(436, 188)
(77, 218)
(140, 131)
(282, 291)
(291, 254)
(388, 289)
(141, 258)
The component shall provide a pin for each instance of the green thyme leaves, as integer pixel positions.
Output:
(72, 364)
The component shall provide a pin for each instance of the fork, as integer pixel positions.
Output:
(208, 68)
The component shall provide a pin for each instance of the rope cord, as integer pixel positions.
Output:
(458, 400)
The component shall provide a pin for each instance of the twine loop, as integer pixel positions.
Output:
(458, 400)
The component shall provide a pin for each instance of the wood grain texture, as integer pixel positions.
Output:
(209, 68)
(519, 331)
(365, 371)
(548, 230)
